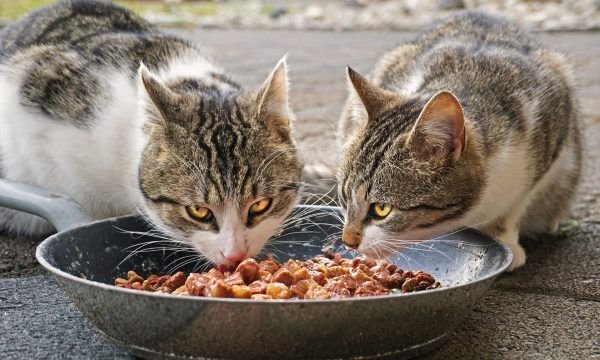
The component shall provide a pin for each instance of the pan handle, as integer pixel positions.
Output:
(58, 209)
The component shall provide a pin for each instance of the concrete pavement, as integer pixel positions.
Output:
(548, 309)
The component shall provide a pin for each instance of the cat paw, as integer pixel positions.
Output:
(519, 257)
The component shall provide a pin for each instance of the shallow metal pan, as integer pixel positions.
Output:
(86, 257)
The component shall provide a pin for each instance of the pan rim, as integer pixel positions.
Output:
(41, 251)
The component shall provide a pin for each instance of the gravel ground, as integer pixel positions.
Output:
(546, 310)
(373, 14)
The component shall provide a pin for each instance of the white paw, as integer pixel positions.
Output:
(519, 256)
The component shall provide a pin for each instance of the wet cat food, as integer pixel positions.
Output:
(322, 277)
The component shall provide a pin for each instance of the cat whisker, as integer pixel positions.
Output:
(201, 267)
(150, 242)
(463, 229)
(157, 227)
(425, 245)
(180, 258)
(184, 263)
(146, 248)
(396, 252)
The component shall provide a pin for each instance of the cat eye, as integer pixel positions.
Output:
(379, 210)
(260, 206)
(199, 213)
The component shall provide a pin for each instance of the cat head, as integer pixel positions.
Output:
(410, 172)
(220, 170)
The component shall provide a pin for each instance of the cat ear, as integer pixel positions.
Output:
(440, 129)
(155, 94)
(373, 99)
(273, 102)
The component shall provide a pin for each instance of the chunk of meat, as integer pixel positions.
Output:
(409, 285)
(241, 291)
(335, 271)
(261, 297)
(220, 289)
(284, 276)
(301, 274)
(248, 269)
(316, 291)
(258, 287)
(175, 281)
(370, 288)
(318, 277)
(265, 276)
(214, 273)
(343, 286)
(359, 275)
(300, 288)
(269, 265)
(278, 290)
(196, 283)
(182, 290)
(235, 279)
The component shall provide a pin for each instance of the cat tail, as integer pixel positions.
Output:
(320, 185)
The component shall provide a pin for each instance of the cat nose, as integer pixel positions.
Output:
(236, 256)
(351, 238)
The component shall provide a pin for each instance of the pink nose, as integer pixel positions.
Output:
(235, 257)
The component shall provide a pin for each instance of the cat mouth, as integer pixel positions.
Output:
(223, 268)
(224, 265)
(231, 264)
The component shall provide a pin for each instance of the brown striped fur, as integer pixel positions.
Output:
(100, 105)
(505, 157)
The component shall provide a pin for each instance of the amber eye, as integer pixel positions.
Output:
(380, 210)
(199, 213)
(260, 206)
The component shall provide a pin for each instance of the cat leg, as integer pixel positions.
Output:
(540, 209)
(507, 231)
(511, 238)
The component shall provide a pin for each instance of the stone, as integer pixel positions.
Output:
(450, 4)
(278, 12)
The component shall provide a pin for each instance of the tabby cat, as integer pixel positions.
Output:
(472, 124)
(99, 105)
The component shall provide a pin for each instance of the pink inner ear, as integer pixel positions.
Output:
(273, 101)
(440, 129)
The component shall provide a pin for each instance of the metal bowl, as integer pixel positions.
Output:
(85, 260)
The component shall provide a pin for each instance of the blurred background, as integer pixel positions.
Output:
(340, 15)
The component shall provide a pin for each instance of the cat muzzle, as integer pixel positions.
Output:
(351, 239)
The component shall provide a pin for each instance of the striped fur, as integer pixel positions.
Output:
(504, 158)
(101, 106)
